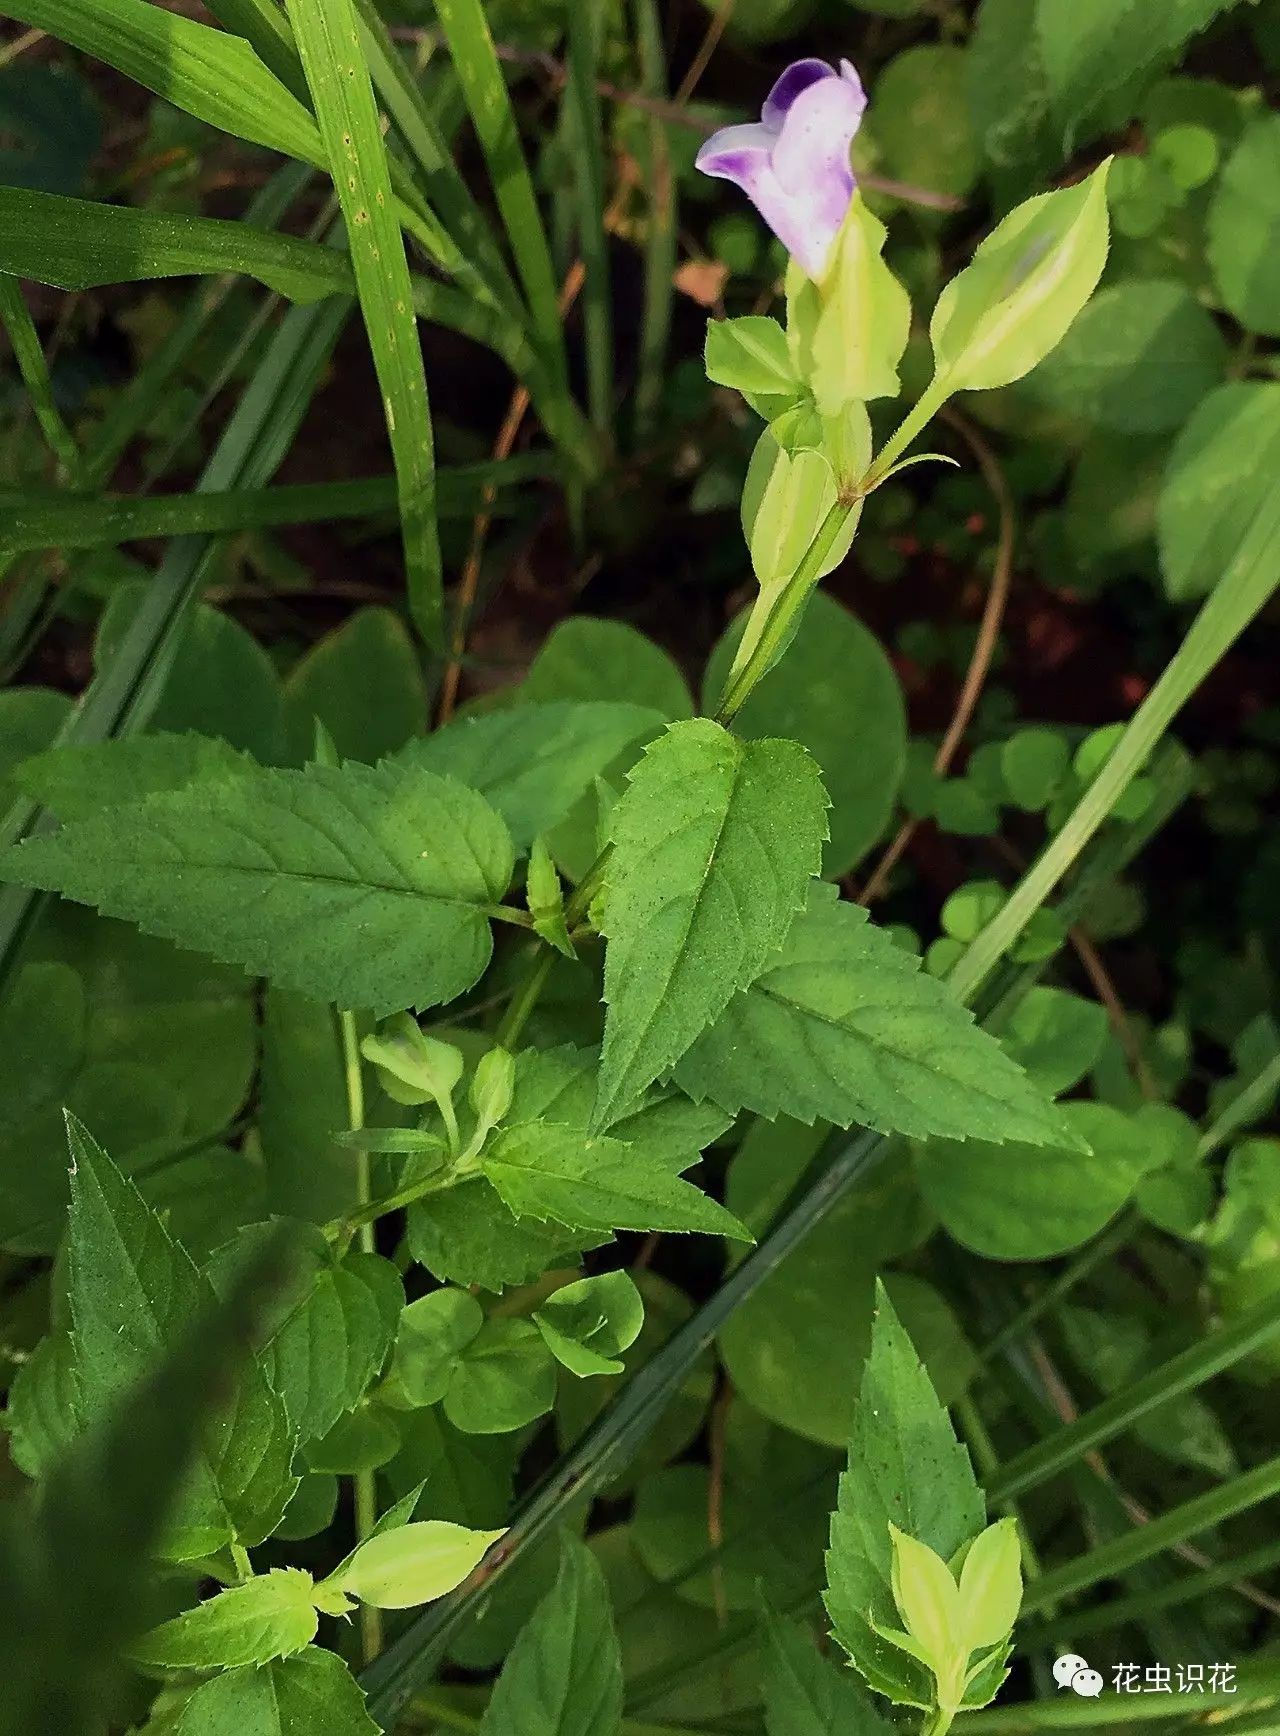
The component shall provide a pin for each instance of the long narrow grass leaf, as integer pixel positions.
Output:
(489, 104)
(68, 522)
(80, 244)
(16, 318)
(660, 239)
(586, 133)
(1244, 588)
(1181, 1373)
(328, 39)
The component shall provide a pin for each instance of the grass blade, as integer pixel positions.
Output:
(253, 444)
(1241, 592)
(67, 522)
(79, 244)
(586, 135)
(328, 40)
(1181, 1373)
(476, 62)
(660, 243)
(1111, 1559)
(16, 319)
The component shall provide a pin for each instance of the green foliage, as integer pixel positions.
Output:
(843, 1026)
(314, 1691)
(410, 1564)
(713, 843)
(564, 1675)
(268, 1617)
(274, 866)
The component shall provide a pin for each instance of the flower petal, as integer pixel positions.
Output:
(797, 78)
(737, 153)
(814, 144)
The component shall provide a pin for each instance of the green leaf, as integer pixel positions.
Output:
(302, 1100)
(268, 1617)
(42, 1407)
(1096, 51)
(364, 683)
(713, 842)
(564, 1674)
(1009, 98)
(835, 687)
(545, 897)
(751, 355)
(844, 1027)
(78, 244)
(1033, 763)
(991, 1585)
(365, 887)
(1138, 360)
(588, 1324)
(1216, 479)
(558, 1173)
(785, 499)
(806, 1694)
(75, 782)
(922, 122)
(412, 1564)
(589, 659)
(329, 43)
(502, 1378)
(134, 1292)
(1025, 285)
(1055, 1037)
(928, 1600)
(847, 335)
(532, 762)
(210, 74)
(433, 1332)
(313, 1694)
(905, 1468)
(1031, 1203)
(332, 1329)
(24, 341)
(1244, 229)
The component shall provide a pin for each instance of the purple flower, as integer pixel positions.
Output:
(793, 163)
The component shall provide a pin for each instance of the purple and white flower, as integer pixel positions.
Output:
(793, 163)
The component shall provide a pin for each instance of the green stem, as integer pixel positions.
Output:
(1182, 1373)
(1241, 592)
(243, 1566)
(1109, 1560)
(912, 425)
(364, 1485)
(764, 642)
(1101, 1248)
(1242, 1109)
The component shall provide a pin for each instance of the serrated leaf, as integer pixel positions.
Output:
(42, 1408)
(843, 1026)
(413, 1563)
(133, 1293)
(564, 1674)
(468, 1235)
(331, 1333)
(366, 887)
(806, 1694)
(267, 1617)
(313, 1694)
(553, 1172)
(545, 897)
(714, 842)
(75, 782)
(532, 762)
(905, 1468)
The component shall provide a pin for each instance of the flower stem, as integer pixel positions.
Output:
(365, 1491)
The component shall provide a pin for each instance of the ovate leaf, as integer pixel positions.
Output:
(412, 1564)
(586, 1325)
(1244, 229)
(1025, 285)
(564, 1674)
(134, 1293)
(367, 887)
(751, 355)
(268, 1617)
(313, 1694)
(843, 1026)
(714, 842)
(906, 1468)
